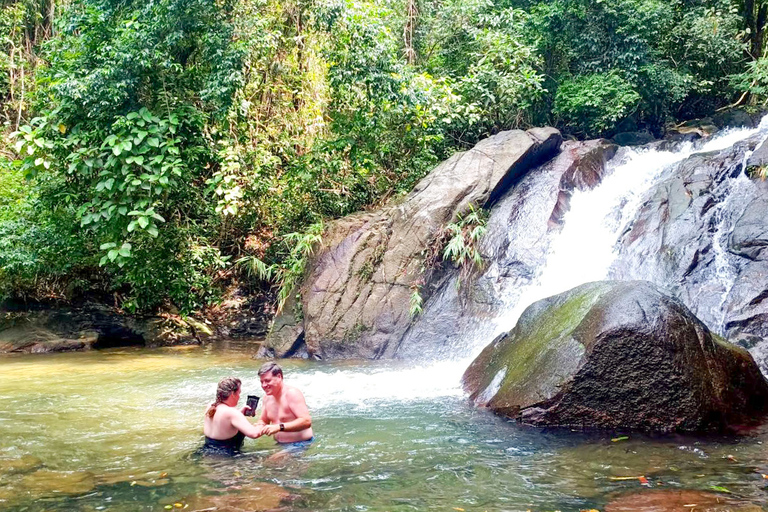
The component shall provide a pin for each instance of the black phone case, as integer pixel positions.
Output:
(253, 403)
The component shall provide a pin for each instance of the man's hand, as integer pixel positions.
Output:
(245, 410)
(270, 430)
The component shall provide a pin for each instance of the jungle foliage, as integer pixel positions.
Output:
(150, 145)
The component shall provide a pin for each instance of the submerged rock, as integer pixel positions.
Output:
(355, 299)
(23, 464)
(676, 500)
(617, 355)
(248, 498)
(46, 481)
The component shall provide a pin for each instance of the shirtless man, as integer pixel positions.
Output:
(284, 414)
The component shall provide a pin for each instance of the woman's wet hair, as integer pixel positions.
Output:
(224, 390)
(270, 367)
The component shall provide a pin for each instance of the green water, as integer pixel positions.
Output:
(118, 430)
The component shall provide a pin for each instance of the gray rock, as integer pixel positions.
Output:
(355, 298)
(58, 328)
(519, 229)
(759, 158)
(633, 138)
(702, 233)
(617, 355)
(734, 118)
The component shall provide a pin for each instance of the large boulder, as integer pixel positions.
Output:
(617, 355)
(354, 302)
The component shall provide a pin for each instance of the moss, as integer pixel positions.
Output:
(541, 352)
(353, 334)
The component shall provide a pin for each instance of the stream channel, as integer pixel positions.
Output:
(119, 429)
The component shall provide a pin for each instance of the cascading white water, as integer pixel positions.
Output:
(585, 248)
(725, 266)
(583, 251)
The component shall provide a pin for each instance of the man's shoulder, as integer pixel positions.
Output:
(293, 392)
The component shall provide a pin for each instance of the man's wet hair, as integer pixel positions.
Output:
(272, 367)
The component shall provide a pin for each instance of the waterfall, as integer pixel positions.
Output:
(585, 248)
(582, 250)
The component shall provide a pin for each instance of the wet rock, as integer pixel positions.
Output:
(734, 118)
(702, 232)
(355, 298)
(759, 158)
(515, 245)
(617, 355)
(57, 328)
(677, 500)
(633, 138)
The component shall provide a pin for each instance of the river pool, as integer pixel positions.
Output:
(119, 429)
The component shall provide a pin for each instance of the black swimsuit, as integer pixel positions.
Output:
(231, 445)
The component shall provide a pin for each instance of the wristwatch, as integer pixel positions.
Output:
(282, 427)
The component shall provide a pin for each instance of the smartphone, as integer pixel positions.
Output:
(253, 403)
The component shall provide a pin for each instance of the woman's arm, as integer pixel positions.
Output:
(242, 424)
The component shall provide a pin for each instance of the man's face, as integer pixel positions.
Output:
(271, 383)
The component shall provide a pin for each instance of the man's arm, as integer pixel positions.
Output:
(297, 404)
(299, 408)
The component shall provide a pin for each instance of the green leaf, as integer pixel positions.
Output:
(108, 245)
(152, 230)
(153, 141)
(116, 150)
(112, 254)
(143, 222)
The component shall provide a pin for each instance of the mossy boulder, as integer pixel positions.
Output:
(617, 355)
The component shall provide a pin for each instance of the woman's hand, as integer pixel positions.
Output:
(270, 430)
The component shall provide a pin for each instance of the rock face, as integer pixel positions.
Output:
(355, 300)
(703, 233)
(617, 355)
(66, 328)
(519, 229)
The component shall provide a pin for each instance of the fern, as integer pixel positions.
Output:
(416, 301)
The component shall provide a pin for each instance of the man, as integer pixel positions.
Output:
(284, 414)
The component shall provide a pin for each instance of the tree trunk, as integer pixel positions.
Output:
(411, 13)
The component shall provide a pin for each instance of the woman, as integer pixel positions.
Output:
(224, 426)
